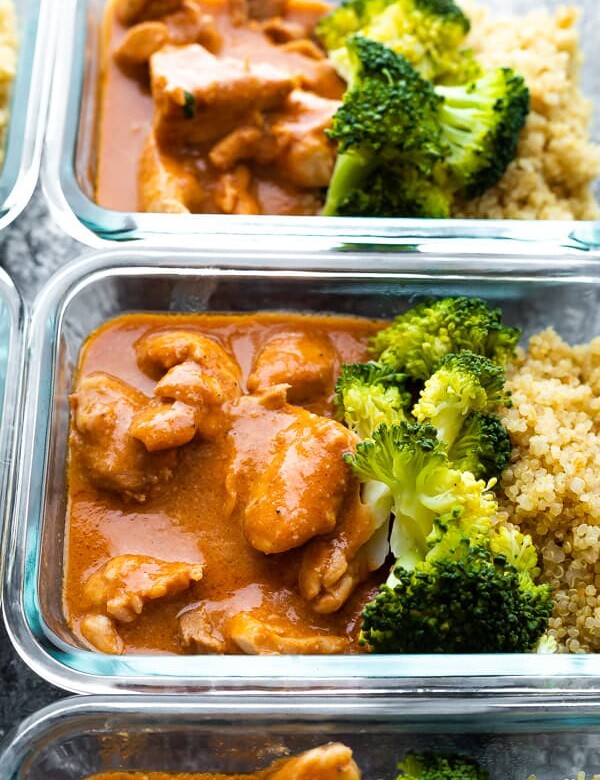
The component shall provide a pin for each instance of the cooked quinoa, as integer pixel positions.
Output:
(552, 486)
(551, 175)
(8, 64)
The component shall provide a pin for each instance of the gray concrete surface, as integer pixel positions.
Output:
(31, 249)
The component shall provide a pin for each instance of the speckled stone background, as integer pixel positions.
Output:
(31, 249)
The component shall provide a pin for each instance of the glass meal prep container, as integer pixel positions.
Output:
(103, 285)
(27, 109)
(71, 145)
(77, 737)
(11, 362)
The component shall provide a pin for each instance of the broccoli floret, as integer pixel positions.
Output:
(518, 550)
(389, 116)
(397, 188)
(429, 33)
(481, 122)
(473, 601)
(413, 463)
(482, 447)
(440, 766)
(369, 394)
(547, 645)
(417, 340)
(463, 383)
(406, 148)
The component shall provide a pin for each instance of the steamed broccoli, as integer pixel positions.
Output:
(388, 117)
(419, 339)
(406, 148)
(464, 597)
(459, 583)
(380, 196)
(369, 394)
(388, 191)
(413, 463)
(429, 33)
(482, 447)
(440, 766)
(464, 382)
(481, 122)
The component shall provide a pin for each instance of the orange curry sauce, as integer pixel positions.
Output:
(195, 516)
(136, 170)
(167, 776)
(332, 761)
(177, 776)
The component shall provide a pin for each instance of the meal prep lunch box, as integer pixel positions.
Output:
(531, 293)
(72, 140)
(28, 106)
(76, 737)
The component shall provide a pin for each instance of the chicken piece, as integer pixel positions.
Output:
(238, 12)
(283, 31)
(187, 25)
(140, 43)
(123, 585)
(266, 9)
(190, 24)
(131, 11)
(198, 631)
(199, 97)
(243, 143)
(242, 11)
(305, 47)
(232, 194)
(301, 491)
(294, 140)
(164, 188)
(198, 369)
(308, 155)
(327, 762)
(199, 374)
(303, 361)
(103, 408)
(100, 631)
(164, 424)
(254, 637)
(191, 383)
(333, 565)
(156, 353)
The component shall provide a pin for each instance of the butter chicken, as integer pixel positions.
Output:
(210, 507)
(328, 762)
(221, 107)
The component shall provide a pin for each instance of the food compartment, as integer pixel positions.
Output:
(105, 286)
(93, 186)
(70, 741)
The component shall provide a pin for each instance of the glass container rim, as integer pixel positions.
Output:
(513, 712)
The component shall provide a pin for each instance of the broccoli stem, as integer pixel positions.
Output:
(350, 172)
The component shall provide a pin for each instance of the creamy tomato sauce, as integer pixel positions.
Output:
(198, 513)
(172, 776)
(332, 761)
(146, 160)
